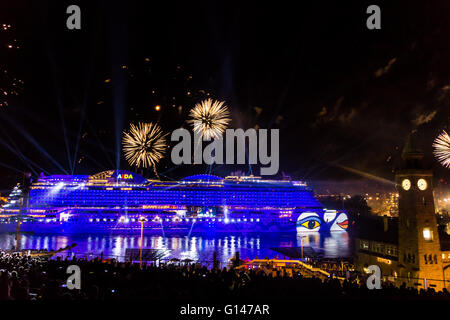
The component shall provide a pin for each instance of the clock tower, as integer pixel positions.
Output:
(419, 252)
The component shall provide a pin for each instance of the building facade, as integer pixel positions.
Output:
(410, 250)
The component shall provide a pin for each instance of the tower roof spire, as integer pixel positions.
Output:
(411, 150)
(412, 155)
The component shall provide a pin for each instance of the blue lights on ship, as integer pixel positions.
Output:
(119, 200)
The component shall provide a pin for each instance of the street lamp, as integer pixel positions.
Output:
(141, 220)
(301, 245)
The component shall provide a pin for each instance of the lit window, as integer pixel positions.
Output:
(427, 234)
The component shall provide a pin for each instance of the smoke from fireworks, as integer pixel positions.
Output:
(144, 145)
(209, 118)
(441, 147)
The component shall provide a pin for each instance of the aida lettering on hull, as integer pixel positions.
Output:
(125, 176)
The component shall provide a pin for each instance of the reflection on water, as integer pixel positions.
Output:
(197, 248)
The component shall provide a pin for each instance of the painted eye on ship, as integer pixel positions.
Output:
(310, 223)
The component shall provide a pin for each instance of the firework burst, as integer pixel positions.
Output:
(441, 147)
(210, 118)
(144, 145)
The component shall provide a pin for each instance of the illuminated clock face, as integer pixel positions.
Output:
(406, 184)
(422, 184)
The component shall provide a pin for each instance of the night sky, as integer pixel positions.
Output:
(342, 96)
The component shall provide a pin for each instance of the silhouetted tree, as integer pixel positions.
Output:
(357, 207)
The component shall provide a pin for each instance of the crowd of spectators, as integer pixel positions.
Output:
(27, 278)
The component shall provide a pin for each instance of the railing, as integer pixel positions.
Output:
(280, 263)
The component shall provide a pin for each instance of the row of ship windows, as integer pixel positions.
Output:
(175, 220)
(176, 194)
(218, 202)
(216, 198)
(135, 205)
(171, 202)
(225, 220)
(209, 202)
(129, 188)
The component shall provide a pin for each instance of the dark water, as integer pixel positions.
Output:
(197, 248)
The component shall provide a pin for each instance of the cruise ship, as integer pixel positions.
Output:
(125, 202)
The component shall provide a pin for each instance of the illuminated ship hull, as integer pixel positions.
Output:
(124, 202)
